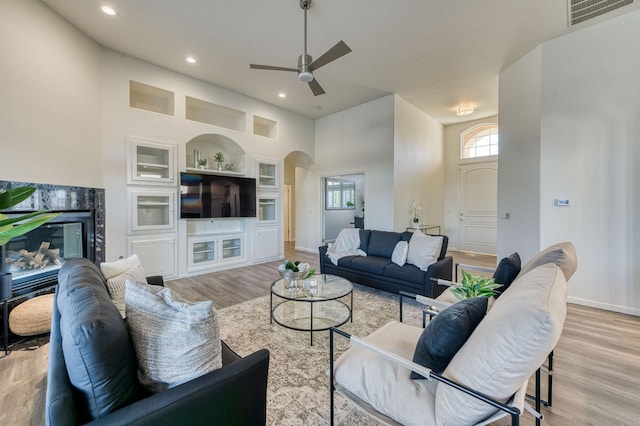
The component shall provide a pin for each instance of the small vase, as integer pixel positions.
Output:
(220, 167)
(416, 225)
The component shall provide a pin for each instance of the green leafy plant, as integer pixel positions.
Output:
(219, 157)
(298, 266)
(477, 286)
(349, 204)
(16, 226)
(202, 162)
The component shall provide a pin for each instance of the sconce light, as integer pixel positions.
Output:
(465, 109)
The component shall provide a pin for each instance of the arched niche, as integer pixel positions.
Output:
(210, 144)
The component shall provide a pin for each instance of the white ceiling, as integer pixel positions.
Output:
(436, 54)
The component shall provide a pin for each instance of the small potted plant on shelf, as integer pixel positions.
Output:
(477, 286)
(219, 158)
(202, 163)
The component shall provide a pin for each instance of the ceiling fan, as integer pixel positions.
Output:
(306, 64)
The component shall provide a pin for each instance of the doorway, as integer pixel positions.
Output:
(343, 204)
(477, 207)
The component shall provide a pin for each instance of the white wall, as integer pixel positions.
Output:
(50, 98)
(452, 134)
(357, 140)
(588, 121)
(418, 171)
(519, 157)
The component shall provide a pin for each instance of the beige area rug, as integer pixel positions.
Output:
(298, 387)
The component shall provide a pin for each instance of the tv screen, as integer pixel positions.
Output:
(210, 196)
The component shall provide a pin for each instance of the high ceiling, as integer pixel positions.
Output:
(436, 54)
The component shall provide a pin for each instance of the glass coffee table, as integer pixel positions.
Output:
(313, 304)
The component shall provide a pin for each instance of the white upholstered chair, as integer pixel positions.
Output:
(487, 377)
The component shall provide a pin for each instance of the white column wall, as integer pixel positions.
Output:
(418, 172)
(50, 98)
(569, 111)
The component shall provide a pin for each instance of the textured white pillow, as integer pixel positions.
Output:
(117, 273)
(399, 255)
(423, 250)
(175, 340)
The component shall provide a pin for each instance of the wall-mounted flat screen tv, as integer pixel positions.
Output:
(213, 196)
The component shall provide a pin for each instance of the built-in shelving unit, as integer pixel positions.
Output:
(214, 114)
(150, 98)
(208, 250)
(267, 174)
(265, 127)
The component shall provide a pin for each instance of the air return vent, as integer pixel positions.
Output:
(583, 10)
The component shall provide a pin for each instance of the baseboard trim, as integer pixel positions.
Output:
(606, 306)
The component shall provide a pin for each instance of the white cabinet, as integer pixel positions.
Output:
(151, 209)
(267, 174)
(267, 244)
(157, 253)
(268, 207)
(208, 251)
(151, 163)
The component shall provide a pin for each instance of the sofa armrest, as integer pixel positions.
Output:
(323, 252)
(442, 269)
(233, 395)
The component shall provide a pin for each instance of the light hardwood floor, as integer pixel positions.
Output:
(597, 363)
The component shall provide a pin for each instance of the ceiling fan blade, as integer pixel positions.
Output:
(337, 51)
(316, 88)
(269, 67)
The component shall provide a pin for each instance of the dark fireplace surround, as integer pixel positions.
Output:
(34, 258)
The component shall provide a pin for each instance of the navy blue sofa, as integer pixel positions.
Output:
(232, 395)
(376, 269)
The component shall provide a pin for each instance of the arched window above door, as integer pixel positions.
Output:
(479, 141)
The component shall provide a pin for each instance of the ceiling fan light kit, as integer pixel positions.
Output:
(306, 64)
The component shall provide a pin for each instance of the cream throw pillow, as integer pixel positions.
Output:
(423, 250)
(175, 340)
(117, 273)
(399, 255)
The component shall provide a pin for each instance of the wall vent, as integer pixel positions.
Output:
(583, 10)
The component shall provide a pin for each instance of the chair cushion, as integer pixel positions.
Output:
(447, 332)
(562, 254)
(506, 348)
(343, 261)
(399, 255)
(98, 353)
(175, 340)
(423, 250)
(407, 273)
(382, 243)
(507, 271)
(117, 273)
(373, 379)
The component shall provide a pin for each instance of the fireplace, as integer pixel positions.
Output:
(35, 257)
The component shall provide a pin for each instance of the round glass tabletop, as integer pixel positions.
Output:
(319, 287)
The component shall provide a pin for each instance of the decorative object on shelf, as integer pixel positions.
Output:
(415, 210)
(196, 157)
(15, 227)
(477, 286)
(202, 164)
(219, 158)
(229, 167)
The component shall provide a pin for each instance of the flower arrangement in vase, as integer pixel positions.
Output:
(414, 211)
(219, 158)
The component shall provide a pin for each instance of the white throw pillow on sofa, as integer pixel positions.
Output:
(399, 255)
(175, 340)
(423, 250)
(117, 273)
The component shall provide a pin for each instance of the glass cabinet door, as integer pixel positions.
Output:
(151, 163)
(267, 174)
(151, 209)
(231, 247)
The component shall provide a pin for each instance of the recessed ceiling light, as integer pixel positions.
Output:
(108, 10)
(465, 109)
(191, 59)
(282, 95)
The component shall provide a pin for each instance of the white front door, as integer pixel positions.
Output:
(477, 206)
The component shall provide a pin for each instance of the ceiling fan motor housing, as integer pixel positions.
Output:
(304, 73)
